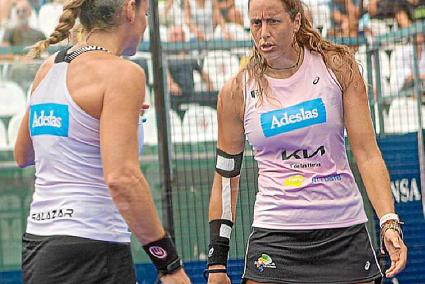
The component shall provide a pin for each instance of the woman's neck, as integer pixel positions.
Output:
(286, 68)
(107, 40)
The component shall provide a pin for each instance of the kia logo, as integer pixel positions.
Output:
(303, 154)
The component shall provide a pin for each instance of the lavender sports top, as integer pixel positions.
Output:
(305, 181)
(71, 197)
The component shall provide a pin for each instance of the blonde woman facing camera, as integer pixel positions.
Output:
(80, 131)
(293, 101)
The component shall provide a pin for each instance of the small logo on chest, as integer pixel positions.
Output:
(316, 80)
(255, 93)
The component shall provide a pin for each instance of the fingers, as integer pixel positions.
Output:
(398, 255)
(390, 270)
(395, 240)
(399, 264)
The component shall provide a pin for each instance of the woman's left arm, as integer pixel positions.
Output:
(371, 165)
(361, 135)
(24, 151)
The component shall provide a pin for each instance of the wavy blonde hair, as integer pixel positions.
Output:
(93, 14)
(307, 37)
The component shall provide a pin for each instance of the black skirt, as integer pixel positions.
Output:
(74, 260)
(342, 255)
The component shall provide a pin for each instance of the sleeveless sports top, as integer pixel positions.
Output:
(71, 197)
(305, 181)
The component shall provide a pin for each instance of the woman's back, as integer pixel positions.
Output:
(65, 108)
(80, 131)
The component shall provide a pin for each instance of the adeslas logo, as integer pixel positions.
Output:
(292, 118)
(44, 119)
(49, 119)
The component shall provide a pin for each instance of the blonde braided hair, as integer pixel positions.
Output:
(62, 31)
(93, 14)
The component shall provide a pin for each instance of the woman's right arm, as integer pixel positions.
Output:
(231, 141)
(122, 102)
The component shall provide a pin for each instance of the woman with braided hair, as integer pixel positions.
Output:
(293, 101)
(80, 132)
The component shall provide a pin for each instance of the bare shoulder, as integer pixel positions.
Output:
(231, 96)
(344, 67)
(48, 63)
(42, 71)
(122, 74)
(233, 89)
(124, 82)
(119, 69)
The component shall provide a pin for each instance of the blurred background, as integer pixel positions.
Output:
(189, 50)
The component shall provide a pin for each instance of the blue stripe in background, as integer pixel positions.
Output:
(146, 273)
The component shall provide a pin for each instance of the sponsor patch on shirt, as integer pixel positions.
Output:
(326, 179)
(294, 181)
(294, 117)
(49, 119)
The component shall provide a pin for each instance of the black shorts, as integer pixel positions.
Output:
(74, 260)
(343, 256)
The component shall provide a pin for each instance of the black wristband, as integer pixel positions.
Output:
(163, 254)
(207, 272)
(218, 249)
(217, 254)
